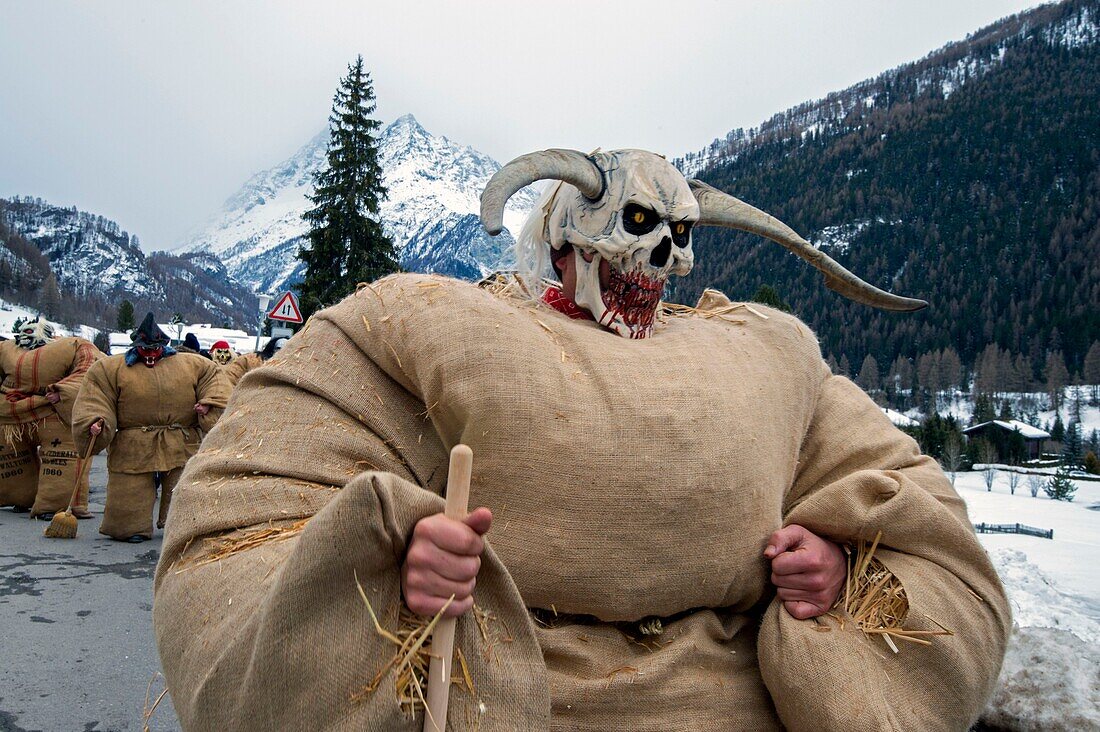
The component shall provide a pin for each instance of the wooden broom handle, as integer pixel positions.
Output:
(81, 463)
(443, 637)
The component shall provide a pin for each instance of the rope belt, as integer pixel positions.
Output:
(156, 427)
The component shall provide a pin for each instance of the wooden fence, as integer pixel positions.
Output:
(984, 528)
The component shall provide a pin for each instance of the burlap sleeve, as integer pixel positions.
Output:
(317, 473)
(84, 355)
(97, 398)
(858, 475)
(213, 390)
(240, 366)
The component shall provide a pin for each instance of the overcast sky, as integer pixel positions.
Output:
(153, 113)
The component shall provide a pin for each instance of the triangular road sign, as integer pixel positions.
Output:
(286, 309)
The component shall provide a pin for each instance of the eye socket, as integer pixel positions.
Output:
(639, 220)
(681, 233)
(29, 331)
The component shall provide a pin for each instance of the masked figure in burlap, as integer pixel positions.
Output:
(155, 405)
(191, 345)
(41, 377)
(670, 492)
(221, 353)
(241, 365)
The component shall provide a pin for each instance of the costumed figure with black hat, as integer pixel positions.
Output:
(41, 376)
(673, 488)
(241, 365)
(151, 406)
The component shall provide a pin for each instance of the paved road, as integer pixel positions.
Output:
(76, 640)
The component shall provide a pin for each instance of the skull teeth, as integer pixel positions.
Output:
(633, 297)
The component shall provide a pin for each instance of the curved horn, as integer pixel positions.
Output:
(570, 166)
(717, 208)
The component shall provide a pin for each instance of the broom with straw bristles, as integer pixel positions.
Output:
(63, 524)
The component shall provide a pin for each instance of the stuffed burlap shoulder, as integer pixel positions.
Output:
(240, 366)
(629, 480)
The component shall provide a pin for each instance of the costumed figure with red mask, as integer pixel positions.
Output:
(151, 406)
(664, 493)
(41, 376)
(222, 354)
(241, 365)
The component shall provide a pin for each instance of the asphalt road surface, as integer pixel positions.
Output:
(77, 652)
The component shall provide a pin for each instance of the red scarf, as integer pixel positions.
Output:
(555, 299)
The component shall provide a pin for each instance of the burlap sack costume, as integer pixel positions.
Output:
(151, 427)
(240, 366)
(38, 465)
(629, 479)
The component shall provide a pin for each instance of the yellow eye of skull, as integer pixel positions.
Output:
(639, 217)
(679, 228)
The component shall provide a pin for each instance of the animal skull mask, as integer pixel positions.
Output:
(31, 334)
(635, 211)
(641, 227)
(221, 353)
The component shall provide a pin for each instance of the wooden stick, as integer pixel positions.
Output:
(443, 639)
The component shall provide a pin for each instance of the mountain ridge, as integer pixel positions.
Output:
(969, 178)
(433, 189)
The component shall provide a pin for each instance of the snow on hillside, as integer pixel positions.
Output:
(10, 312)
(87, 253)
(430, 211)
(941, 72)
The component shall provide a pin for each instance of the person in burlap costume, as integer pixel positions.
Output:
(241, 365)
(155, 405)
(41, 376)
(222, 354)
(650, 493)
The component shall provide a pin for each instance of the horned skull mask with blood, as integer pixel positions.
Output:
(635, 211)
(31, 333)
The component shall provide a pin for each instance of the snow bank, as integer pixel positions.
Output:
(1050, 681)
(1038, 602)
(1051, 675)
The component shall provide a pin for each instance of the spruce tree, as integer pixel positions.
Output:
(50, 299)
(346, 242)
(1060, 487)
(767, 295)
(125, 320)
(868, 374)
(1091, 372)
(1058, 429)
(1073, 452)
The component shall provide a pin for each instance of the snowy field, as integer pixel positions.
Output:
(1051, 582)
(1051, 676)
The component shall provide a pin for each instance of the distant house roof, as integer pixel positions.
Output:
(899, 419)
(1027, 431)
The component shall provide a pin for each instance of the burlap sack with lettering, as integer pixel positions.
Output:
(630, 480)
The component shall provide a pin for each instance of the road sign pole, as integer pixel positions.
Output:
(264, 301)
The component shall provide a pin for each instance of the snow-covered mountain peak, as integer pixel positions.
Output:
(430, 211)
